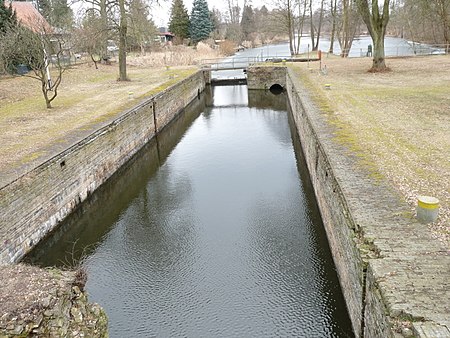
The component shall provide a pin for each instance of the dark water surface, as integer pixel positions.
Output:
(211, 231)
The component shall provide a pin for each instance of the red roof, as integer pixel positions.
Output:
(28, 16)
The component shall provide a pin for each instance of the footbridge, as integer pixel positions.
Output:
(238, 63)
(233, 70)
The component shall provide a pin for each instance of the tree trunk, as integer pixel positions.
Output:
(348, 29)
(319, 28)
(311, 29)
(289, 27)
(122, 43)
(378, 52)
(301, 17)
(104, 23)
(376, 23)
(333, 26)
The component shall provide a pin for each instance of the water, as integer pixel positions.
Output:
(212, 231)
(393, 47)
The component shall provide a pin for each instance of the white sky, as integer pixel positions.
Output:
(161, 12)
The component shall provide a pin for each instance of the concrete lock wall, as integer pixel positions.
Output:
(339, 225)
(33, 205)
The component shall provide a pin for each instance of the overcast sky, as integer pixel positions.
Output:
(160, 13)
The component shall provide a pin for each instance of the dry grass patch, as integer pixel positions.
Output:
(87, 97)
(397, 123)
(176, 56)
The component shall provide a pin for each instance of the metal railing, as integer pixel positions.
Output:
(236, 62)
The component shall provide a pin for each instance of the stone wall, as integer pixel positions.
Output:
(47, 303)
(339, 225)
(393, 274)
(265, 76)
(32, 205)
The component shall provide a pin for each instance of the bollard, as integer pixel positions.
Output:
(130, 95)
(427, 209)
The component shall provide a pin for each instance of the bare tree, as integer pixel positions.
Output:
(348, 26)
(302, 6)
(283, 17)
(333, 12)
(123, 26)
(440, 9)
(23, 46)
(113, 14)
(376, 19)
(234, 29)
(142, 29)
(315, 30)
(90, 36)
(104, 10)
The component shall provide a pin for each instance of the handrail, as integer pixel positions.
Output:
(236, 62)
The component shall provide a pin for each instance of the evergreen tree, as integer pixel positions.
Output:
(142, 30)
(248, 22)
(215, 18)
(62, 14)
(57, 12)
(7, 17)
(179, 20)
(200, 21)
(45, 8)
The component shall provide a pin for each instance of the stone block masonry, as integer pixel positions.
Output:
(47, 303)
(33, 204)
(263, 77)
(394, 276)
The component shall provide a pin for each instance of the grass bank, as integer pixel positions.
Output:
(87, 97)
(397, 123)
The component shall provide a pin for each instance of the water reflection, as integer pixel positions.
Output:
(214, 237)
(81, 232)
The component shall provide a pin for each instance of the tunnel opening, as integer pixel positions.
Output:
(276, 89)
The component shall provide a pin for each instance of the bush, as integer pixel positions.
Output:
(227, 47)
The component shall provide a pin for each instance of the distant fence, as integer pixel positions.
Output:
(238, 62)
(410, 49)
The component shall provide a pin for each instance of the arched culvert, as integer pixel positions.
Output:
(276, 89)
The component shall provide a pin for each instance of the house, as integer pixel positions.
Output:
(164, 35)
(29, 16)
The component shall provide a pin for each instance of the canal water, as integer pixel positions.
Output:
(212, 230)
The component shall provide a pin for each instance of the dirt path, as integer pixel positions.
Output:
(398, 123)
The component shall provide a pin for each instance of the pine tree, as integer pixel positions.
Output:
(45, 8)
(57, 12)
(247, 22)
(7, 17)
(62, 14)
(201, 25)
(141, 29)
(179, 20)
